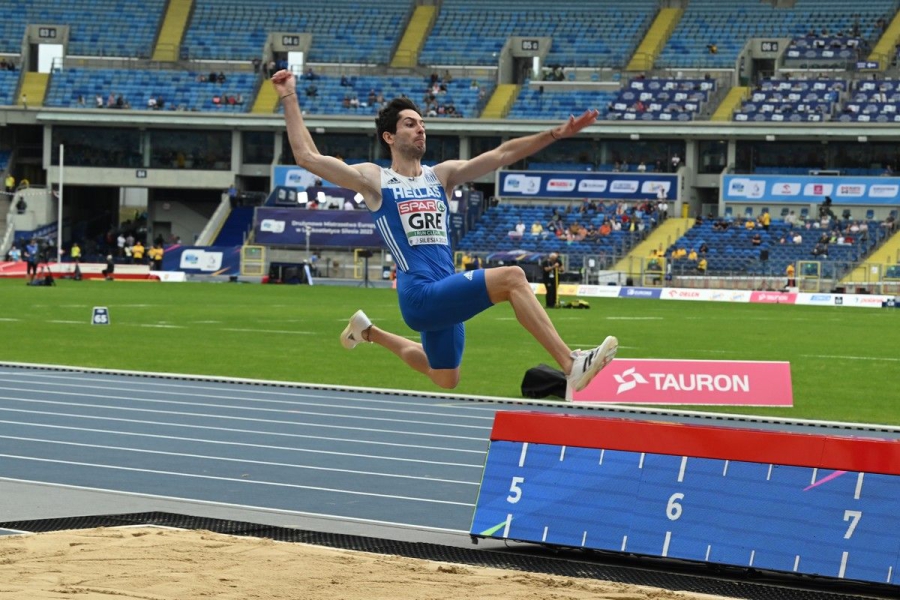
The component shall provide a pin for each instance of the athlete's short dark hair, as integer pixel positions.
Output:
(388, 117)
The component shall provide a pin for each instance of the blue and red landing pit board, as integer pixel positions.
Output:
(788, 502)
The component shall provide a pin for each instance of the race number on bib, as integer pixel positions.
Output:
(424, 221)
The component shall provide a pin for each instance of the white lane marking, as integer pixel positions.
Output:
(246, 330)
(251, 419)
(63, 322)
(160, 325)
(506, 527)
(9, 320)
(859, 482)
(562, 454)
(243, 408)
(815, 472)
(230, 505)
(245, 445)
(681, 470)
(725, 469)
(633, 318)
(708, 550)
(522, 455)
(665, 550)
(841, 357)
(233, 480)
(584, 541)
(641, 463)
(796, 563)
(769, 474)
(194, 394)
(224, 429)
(267, 463)
(601, 456)
(544, 537)
(752, 556)
(624, 542)
(843, 568)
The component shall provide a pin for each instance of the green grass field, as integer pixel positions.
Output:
(290, 333)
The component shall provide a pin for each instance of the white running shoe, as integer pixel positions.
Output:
(588, 363)
(353, 333)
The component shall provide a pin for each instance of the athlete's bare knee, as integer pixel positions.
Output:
(501, 281)
(445, 378)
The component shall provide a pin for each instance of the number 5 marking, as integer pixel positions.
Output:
(515, 492)
(853, 516)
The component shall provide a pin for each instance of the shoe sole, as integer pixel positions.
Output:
(346, 342)
(607, 352)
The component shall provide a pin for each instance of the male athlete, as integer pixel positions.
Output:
(409, 204)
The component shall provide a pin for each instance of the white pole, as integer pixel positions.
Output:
(59, 216)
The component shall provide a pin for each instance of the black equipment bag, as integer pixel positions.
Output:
(542, 381)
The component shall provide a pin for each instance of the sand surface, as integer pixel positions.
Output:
(164, 564)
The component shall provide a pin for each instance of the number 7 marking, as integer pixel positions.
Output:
(853, 516)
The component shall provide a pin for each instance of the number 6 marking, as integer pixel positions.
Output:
(515, 492)
(673, 508)
(853, 516)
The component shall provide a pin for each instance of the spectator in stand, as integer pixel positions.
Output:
(765, 219)
(790, 218)
(537, 230)
(676, 162)
(155, 254)
(756, 240)
(10, 184)
(137, 252)
(701, 266)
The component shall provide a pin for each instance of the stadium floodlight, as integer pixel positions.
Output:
(635, 136)
(770, 138)
(862, 139)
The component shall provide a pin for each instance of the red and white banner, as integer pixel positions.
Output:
(709, 382)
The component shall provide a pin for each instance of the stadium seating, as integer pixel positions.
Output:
(8, 82)
(557, 104)
(792, 100)
(238, 223)
(492, 232)
(661, 99)
(180, 89)
(594, 34)
(343, 31)
(4, 159)
(872, 102)
(730, 23)
(732, 251)
(330, 94)
(96, 27)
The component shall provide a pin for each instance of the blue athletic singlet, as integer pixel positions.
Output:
(434, 299)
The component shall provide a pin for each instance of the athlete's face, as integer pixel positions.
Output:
(410, 137)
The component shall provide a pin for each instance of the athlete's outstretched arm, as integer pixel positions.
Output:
(456, 172)
(361, 178)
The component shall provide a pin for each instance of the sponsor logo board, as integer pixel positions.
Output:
(699, 382)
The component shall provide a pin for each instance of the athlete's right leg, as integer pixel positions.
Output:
(509, 284)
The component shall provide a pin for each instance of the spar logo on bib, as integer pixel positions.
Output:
(424, 221)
